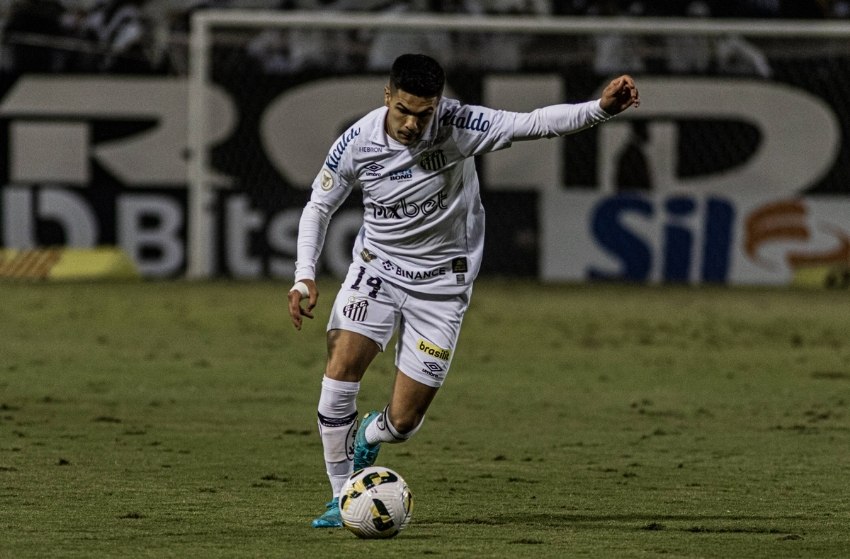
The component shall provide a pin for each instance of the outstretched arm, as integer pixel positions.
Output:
(559, 120)
(619, 95)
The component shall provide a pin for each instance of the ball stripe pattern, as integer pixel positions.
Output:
(375, 502)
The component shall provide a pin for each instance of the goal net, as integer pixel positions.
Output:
(729, 171)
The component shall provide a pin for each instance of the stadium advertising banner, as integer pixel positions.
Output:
(750, 222)
(711, 180)
(687, 238)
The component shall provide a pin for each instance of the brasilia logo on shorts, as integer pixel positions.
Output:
(355, 310)
(434, 351)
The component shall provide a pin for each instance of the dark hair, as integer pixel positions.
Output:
(418, 74)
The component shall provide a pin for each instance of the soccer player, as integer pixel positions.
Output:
(418, 251)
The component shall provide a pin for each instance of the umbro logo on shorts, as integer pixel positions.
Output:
(435, 367)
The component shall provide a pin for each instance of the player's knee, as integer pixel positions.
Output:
(343, 373)
(344, 368)
(349, 355)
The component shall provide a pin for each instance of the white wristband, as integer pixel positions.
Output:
(301, 288)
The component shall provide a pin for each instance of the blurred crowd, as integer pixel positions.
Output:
(151, 36)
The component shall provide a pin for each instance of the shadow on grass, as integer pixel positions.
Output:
(680, 523)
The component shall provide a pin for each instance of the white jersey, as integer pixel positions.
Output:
(423, 222)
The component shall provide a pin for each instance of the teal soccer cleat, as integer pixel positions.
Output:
(331, 517)
(365, 454)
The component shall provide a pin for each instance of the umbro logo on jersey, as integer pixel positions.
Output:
(372, 169)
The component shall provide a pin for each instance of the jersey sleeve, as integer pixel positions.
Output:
(480, 130)
(477, 129)
(331, 187)
(558, 120)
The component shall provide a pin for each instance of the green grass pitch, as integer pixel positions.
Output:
(174, 419)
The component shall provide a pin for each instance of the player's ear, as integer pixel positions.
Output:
(386, 95)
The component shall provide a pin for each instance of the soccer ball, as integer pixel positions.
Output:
(375, 502)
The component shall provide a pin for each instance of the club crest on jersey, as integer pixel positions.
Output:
(433, 160)
(355, 310)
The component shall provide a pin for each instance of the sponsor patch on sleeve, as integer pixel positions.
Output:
(327, 180)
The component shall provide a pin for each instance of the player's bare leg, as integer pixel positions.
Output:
(409, 402)
(349, 355)
(397, 423)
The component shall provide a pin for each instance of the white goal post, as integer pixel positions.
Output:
(201, 219)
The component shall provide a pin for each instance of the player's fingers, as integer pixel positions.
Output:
(295, 309)
(629, 85)
(627, 91)
(621, 83)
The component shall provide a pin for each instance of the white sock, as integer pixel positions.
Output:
(383, 431)
(337, 418)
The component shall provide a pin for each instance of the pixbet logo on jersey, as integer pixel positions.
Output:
(404, 208)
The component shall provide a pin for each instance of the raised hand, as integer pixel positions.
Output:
(619, 95)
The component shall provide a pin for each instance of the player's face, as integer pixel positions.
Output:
(408, 115)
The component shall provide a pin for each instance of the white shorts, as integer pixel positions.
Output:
(428, 325)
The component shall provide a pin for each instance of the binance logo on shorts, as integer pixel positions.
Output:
(355, 310)
(434, 351)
